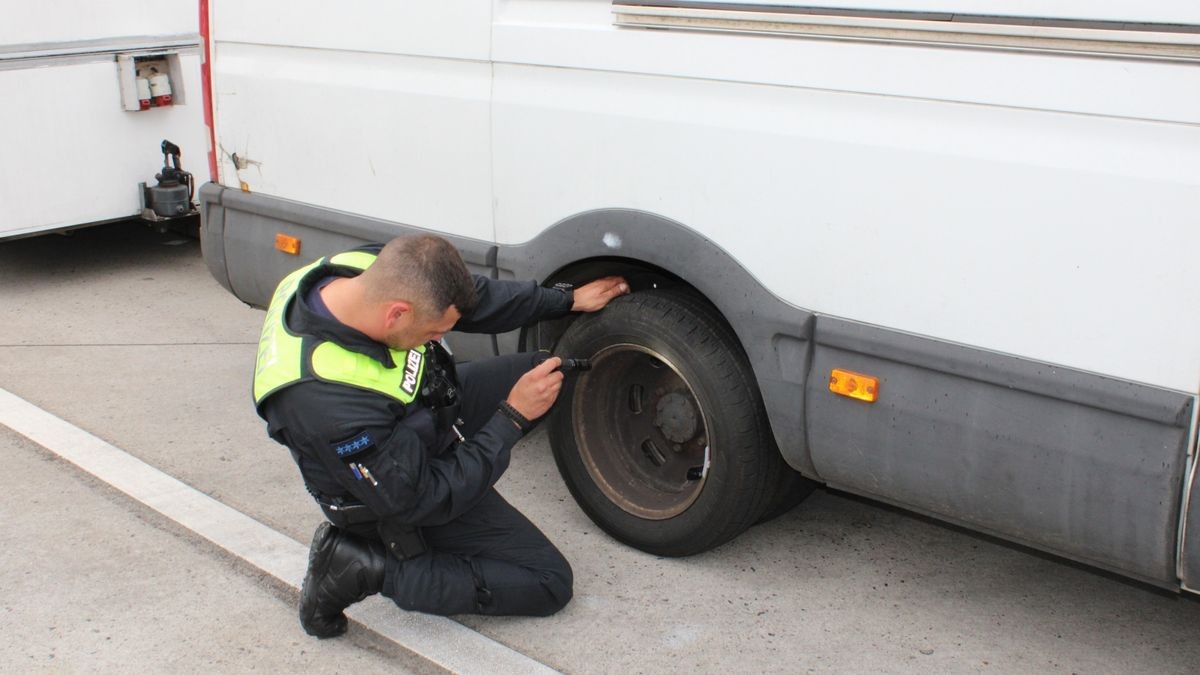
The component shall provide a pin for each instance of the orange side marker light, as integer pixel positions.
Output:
(854, 385)
(290, 245)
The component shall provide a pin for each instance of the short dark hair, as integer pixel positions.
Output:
(426, 268)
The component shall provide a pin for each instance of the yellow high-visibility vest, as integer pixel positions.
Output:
(286, 358)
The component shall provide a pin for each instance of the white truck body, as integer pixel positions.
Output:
(1015, 183)
(73, 153)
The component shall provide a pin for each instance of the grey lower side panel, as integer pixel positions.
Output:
(1191, 536)
(1069, 462)
(212, 233)
(238, 238)
(1073, 463)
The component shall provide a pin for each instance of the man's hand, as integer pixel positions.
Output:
(537, 389)
(593, 296)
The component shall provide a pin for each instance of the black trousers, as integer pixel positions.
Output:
(491, 559)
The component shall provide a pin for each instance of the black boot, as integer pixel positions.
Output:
(342, 569)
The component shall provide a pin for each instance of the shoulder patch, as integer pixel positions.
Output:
(357, 444)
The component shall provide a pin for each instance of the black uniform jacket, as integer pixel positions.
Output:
(408, 480)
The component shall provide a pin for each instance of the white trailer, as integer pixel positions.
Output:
(77, 136)
(940, 253)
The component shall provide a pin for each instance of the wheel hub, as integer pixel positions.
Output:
(642, 434)
(676, 417)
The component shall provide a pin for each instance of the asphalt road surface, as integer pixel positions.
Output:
(120, 330)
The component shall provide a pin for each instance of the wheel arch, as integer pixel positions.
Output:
(775, 335)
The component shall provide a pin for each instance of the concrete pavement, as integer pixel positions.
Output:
(95, 585)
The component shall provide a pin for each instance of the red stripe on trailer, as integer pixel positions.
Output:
(206, 81)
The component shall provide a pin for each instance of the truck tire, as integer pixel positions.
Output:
(664, 443)
(789, 490)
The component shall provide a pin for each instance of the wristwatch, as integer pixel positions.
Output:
(517, 418)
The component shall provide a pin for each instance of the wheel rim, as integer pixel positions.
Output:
(641, 432)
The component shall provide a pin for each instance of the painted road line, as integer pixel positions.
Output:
(442, 642)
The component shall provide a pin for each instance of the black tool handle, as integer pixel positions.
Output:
(568, 365)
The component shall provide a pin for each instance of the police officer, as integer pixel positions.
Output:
(401, 448)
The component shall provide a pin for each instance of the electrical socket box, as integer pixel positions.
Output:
(160, 85)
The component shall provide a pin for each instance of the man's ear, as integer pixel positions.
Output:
(395, 312)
